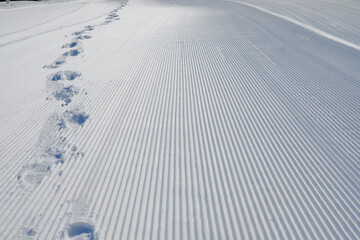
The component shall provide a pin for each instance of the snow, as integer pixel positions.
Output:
(307, 27)
(179, 119)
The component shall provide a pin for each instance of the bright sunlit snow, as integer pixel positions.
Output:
(180, 119)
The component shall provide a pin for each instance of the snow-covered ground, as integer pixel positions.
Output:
(180, 119)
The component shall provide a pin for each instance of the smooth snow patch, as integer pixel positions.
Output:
(303, 25)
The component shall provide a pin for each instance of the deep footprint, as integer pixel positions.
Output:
(31, 232)
(81, 229)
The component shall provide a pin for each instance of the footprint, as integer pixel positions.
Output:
(52, 146)
(27, 233)
(34, 174)
(89, 28)
(73, 52)
(54, 155)
(78, 32)
(82, 230)
(31, 232)
(74, 42)
(106, 22)
(86, 28)
(76, 117)
(61, 124)
(64, 75)
(82, 37)
(73, 117)
(33, 178)
(65, 94)
(113, 15)
(61, 60)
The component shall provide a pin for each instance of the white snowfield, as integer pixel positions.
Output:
(180, 119)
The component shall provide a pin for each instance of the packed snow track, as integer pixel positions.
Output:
(180, 119)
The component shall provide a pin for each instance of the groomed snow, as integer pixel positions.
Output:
(180, 119)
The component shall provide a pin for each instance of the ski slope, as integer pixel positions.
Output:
(180, 119)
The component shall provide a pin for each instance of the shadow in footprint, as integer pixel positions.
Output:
(74, 52)
(65, 94)
(82, 230)
(72, 118)
(31, 232)
(64, 75)
(113, 15)
(72, 44)
(61, 60)
(82, 37)
(76, 116)
(89, 28)
(86, 28)
(78, 32)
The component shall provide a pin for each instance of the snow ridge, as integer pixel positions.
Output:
(187, 120)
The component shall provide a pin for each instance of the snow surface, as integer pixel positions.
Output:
(180, 119)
